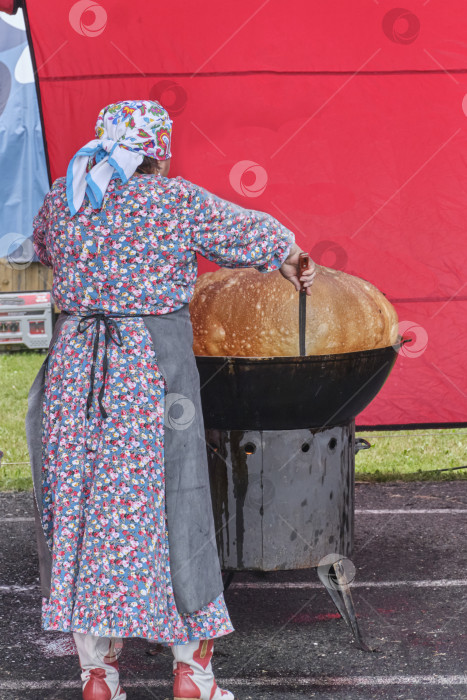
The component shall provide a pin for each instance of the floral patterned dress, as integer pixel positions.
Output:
(103, 473)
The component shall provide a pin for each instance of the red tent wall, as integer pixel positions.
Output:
(352, 113)
(8, 6)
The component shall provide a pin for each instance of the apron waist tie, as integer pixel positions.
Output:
(111, 334)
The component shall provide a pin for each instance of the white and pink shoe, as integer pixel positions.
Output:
(99, 664)
(192, 669)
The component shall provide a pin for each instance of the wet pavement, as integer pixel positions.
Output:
(409, 593)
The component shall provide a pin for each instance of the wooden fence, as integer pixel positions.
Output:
(29, 277)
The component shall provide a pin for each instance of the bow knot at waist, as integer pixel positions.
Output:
(111, 334)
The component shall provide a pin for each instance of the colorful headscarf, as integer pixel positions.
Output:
(125, 133)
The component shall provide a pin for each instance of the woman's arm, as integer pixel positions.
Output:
(40, 230)
(230, 235)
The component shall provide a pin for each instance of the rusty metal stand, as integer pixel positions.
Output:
(335, 581)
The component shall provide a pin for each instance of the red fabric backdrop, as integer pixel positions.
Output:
(352, 115)
(8, 6)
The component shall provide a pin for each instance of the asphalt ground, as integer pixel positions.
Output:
(409, 593)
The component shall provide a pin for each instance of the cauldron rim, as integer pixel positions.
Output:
(305, 359)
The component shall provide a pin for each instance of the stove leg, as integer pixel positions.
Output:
(342, 599)
(227, 577)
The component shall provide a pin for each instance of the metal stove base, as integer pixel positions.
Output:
(284, 500)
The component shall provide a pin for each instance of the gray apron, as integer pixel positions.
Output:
(194, 561)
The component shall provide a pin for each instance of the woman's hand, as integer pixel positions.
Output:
(290, 270)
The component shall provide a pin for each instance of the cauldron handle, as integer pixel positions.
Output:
(303, 262)
(361, 444)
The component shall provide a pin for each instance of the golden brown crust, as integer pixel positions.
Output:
(246, 313)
